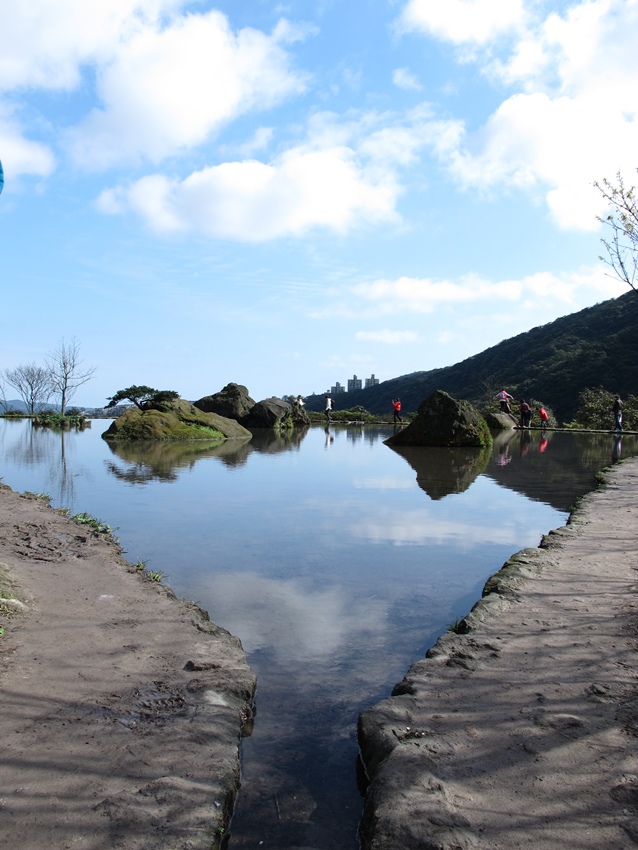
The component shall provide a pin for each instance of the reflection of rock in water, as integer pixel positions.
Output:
(441, 472)
(159, 460)
(269, 441)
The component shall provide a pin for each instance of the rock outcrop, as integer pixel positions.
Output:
(270, 413)
(444, 421)
(174, 420)
(232, 402)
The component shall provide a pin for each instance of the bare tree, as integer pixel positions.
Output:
(33, 384)
(66, 372)
(622, 220)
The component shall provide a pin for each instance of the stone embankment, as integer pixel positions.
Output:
(523, 731)
(122, 707)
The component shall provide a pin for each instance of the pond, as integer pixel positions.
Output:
(337, 561)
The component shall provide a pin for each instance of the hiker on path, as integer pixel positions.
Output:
(328, 409)
(396, 404)
(526, 413)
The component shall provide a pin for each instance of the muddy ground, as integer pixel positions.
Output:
(122, 707)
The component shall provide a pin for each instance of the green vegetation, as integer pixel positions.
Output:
(52, 419)
(554, 363)
(594, 410)
(142, 396)
(92, 522)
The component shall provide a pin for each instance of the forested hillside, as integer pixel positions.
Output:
(552, 363)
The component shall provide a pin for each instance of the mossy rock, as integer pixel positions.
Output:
(174, 420)
(444, 421)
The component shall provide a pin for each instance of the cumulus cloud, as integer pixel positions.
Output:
(44, 43)
(423, 295)
(462, 21)
(168, 89)
(19, 154)
(344, 174)
(387, 337)
(574, 116)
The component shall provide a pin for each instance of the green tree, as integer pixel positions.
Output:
(622, 221)
(65, 371)
(595, 410)
(142, 396)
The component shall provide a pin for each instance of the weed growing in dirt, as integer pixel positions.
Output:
(95, 524)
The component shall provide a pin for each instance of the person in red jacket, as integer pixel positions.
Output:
(543, 416)
(396, 404)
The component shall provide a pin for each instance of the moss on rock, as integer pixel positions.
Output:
(174, 420)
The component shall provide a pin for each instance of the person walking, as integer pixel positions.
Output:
(526, 413)
(396, 404)
(328, 409)
(617, 411)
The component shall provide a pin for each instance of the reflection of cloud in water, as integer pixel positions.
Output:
(292, 618)
(388, 482)
(408, 528)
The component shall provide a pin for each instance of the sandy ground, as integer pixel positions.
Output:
(523, 733)
(122, 707)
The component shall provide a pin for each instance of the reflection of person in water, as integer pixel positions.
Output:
(543, 444)
(524, 443)
(329, 437)
(504, 456)
(616, 448)
(617, 411)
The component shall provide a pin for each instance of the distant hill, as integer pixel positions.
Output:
(552, 363)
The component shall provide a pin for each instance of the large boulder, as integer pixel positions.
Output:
(233, 402)
(444, 421)
(270, 413)
(174, 420)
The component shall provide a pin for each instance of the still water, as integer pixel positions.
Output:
(337, 561)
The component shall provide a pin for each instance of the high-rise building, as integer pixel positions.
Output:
(371, 381)
(338, 388)
(354, 383)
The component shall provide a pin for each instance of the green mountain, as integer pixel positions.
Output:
(552, 363)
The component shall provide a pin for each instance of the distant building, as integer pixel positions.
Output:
(354, 383)
(371, 381)
(338, 388)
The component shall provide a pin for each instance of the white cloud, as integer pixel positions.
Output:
(252, 201)
(462, 21)
(346, 173)
(43, 43)
(575, 119)
(403, 79)
(422, 295)
(168, 89)
(387, 337)
(21, 156)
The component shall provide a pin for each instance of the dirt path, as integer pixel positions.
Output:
(523, 733)
(121, 706)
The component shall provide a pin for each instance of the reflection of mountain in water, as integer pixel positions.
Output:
(441, 472)
(160, 460)
(561, 465)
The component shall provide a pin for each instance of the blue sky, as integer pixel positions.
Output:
(284, 195)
